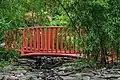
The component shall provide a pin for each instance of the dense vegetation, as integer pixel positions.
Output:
(100, 20)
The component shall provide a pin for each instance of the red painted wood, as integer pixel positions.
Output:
(52, 39)
(56, 39)
(53, 54)
(74, 42)
(9, 40)
(22, 52)
(44, 27)
(19, 46)
(26, 39)
(38, 39)
(48, 43)
(31, 39)
(48, 39)
(69, 46)
(35, 39)
(43, 40)
(23, 44)
(23, 39)
(5, 38)
(20, 42)
(54, 51)
(61, 44)
(65, 36)
(14, 42)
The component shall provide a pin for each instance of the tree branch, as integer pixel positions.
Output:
(73, 24)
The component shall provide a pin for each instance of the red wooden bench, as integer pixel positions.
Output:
(47, 41)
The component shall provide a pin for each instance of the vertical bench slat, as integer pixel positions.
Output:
(43, 40)
(48, 39)
(31, 39)
(35, 39)
(19, 46)
(23, 43)
(7, 41)
(52, 39)
(14, 42)
(38, 39)
(65, 30)
(74, 42)
(41, 43)
(26, 39)
(60, 39)
(69, 46)
(23, 39)
(20, 42)
(56, 39)
(5, 38)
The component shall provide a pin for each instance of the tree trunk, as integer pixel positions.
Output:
(103, 52)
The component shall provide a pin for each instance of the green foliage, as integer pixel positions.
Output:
(59, 20)
(8, 57)
(12, 12)
(2, 53)
(3, 63)
(22, 13)
(85, 63)
(12, 55)
(100, 19)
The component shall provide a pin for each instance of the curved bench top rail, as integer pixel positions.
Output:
(43, 27)
(58, 40)
(47, 41)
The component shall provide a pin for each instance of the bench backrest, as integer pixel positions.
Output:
(52, 38)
